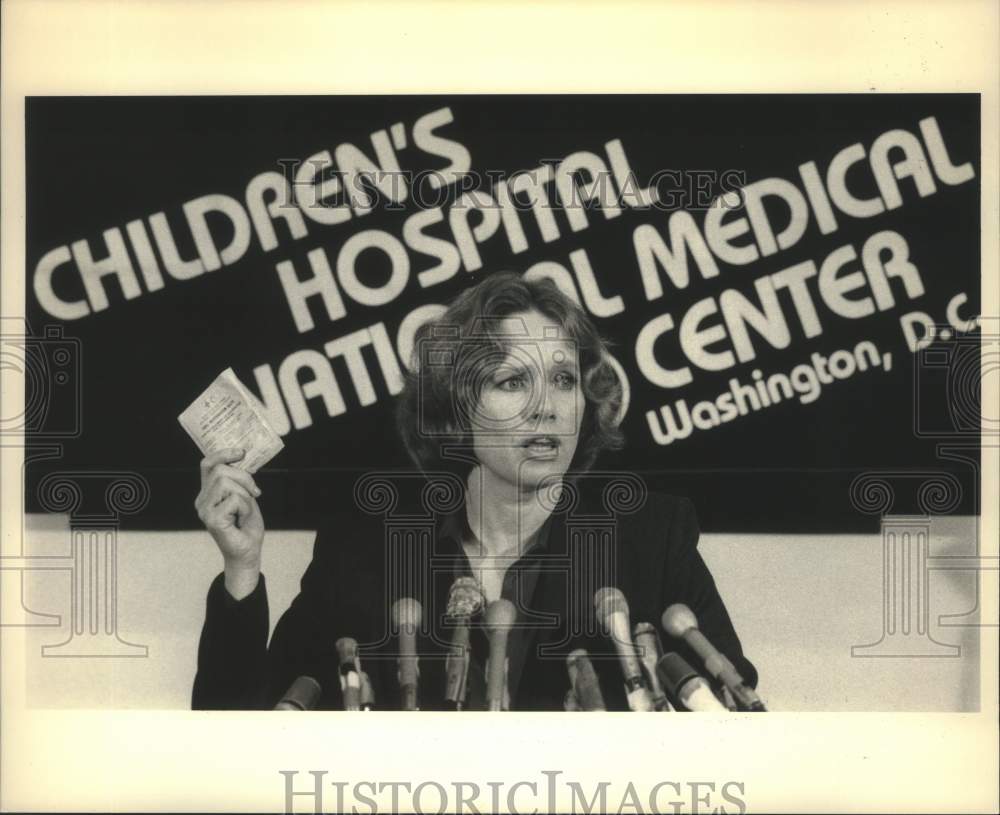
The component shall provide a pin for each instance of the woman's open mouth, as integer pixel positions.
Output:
(542, 446)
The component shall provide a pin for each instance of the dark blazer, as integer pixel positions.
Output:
(643, 543)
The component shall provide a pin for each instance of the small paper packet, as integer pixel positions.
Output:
(228, 415)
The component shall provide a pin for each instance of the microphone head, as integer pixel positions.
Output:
(643, 629)
(678, 619)
(576, 661)
(304, 694)
(406, 614)
(674, 672)
(367, 692)
(608, 601)
(647, 641)
(347, 652)
(500, 615)
(465, 599)
(584, 684)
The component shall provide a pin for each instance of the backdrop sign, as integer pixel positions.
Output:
(770, 269)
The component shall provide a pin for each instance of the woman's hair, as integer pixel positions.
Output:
(454, 355)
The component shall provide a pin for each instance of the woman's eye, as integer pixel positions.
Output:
(512, 383)
(565, 380)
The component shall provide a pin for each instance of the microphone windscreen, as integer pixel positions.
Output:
(607, 602)
(367, 692)
(647, 645)
(406, 614)
(465, 598)
(500, 615)
(347, 652)
(499, 618)
(674, 672)
(583, 680)
(303, 694)
(678, 619)
(644, 634)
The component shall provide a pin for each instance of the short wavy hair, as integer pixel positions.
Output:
(433, 409)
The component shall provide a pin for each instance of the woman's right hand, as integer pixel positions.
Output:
(227, 506)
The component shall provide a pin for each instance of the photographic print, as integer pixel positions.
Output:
(534, 403)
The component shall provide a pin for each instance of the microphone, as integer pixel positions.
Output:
(686, 685)
(612, 614)
(350, 680)
(679, 621)
(302, 694)
(464, 602)
(500, 617)
(406, 614)
(583, 681)
(647, 643)
(727, 698)
(367, 693)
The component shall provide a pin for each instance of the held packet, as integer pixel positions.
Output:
(228, 415)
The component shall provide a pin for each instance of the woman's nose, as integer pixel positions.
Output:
(545, 408)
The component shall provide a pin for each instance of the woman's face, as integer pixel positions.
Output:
(527, 423)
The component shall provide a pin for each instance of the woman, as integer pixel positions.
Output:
(509, 402)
